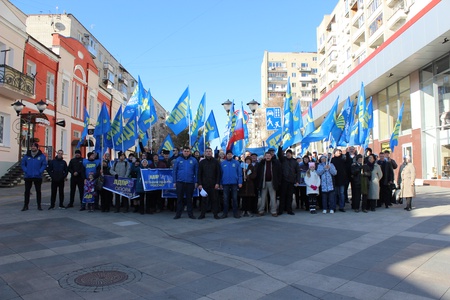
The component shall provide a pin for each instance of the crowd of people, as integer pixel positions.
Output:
(246, 186)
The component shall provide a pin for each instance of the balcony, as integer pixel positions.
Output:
(398, 17)
(15, 84)
(391, 3)
(305, 79)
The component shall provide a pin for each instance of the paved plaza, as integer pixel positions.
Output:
(72, 254)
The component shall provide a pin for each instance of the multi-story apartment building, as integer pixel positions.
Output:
(400, 50)
(276, 68)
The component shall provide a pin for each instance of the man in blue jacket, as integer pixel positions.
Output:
(57, 169)
(231, 181)
(185, 169)
(33, 165)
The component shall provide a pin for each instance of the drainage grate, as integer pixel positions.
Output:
(100, 278)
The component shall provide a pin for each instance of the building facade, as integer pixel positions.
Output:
(276, 68)
(400, 51)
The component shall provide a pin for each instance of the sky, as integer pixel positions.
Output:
(213, 46)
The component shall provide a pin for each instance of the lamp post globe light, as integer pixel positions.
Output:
(227, 106)
(28, 119)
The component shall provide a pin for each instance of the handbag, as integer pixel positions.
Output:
(99, 183)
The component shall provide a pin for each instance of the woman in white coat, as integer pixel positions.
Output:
(406, 180)
(374, 183)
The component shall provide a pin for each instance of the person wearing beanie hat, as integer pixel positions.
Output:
(77, 175)
(33, 165)
(290, 171)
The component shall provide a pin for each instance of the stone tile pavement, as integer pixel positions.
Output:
(68, 254)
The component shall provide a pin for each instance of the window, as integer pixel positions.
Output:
(314, 70)
(5, 129)
(76, 134)
(65, 93)
(293, 74)
(31, 68)
(315, 58)
(304, 65)
(91, 108)
(293, 65)
(63, 144)
(304, 74)
(305, 84)
(294, 84)
(100, 56)
(77, 101)
(50, 87)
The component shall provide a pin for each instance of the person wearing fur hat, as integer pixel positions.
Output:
(312, 181)
(33, 165)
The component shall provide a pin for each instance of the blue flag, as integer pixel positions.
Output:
(211, 130)
(288, 120)
(368, 118)
(347, 113)
(298, 124)
(84, 133)
(324, 130)
(147, 116)
(114, 134)
(199, 145)
(199, 120)
(167, 144)
(274, 140)
(102, 127)
(130, 134)
(394, 137)
(135, 101)
(179, 118)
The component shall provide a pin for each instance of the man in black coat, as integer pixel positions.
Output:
(341, 178)
(385, 181)
(290, 176)
(77, 172)
(57, 169)
(209, 174)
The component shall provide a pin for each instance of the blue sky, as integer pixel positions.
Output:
(213, 46)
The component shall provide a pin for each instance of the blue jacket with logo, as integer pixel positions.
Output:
(231, 172)
(33, 167)
(185, 169)
(92, 166)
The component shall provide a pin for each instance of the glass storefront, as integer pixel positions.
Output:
(389, 102)
(435, 97)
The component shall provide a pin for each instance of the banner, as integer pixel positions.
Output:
(157, 179)
(122, 186)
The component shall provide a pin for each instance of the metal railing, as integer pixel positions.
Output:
(16, 79)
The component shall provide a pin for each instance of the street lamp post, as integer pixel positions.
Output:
(253, 105)
(18, 107)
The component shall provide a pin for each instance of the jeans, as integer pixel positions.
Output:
(230, 190)
(340, 196)
(328, 200)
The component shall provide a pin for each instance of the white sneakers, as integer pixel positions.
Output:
(331, 211)
(324, 211)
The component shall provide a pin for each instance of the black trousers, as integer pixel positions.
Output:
(106, 200)
(76, 182)
(37, 186)
(356, 196)
(385, 195)
(57, 187)
(287, 190)
(211, 200)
